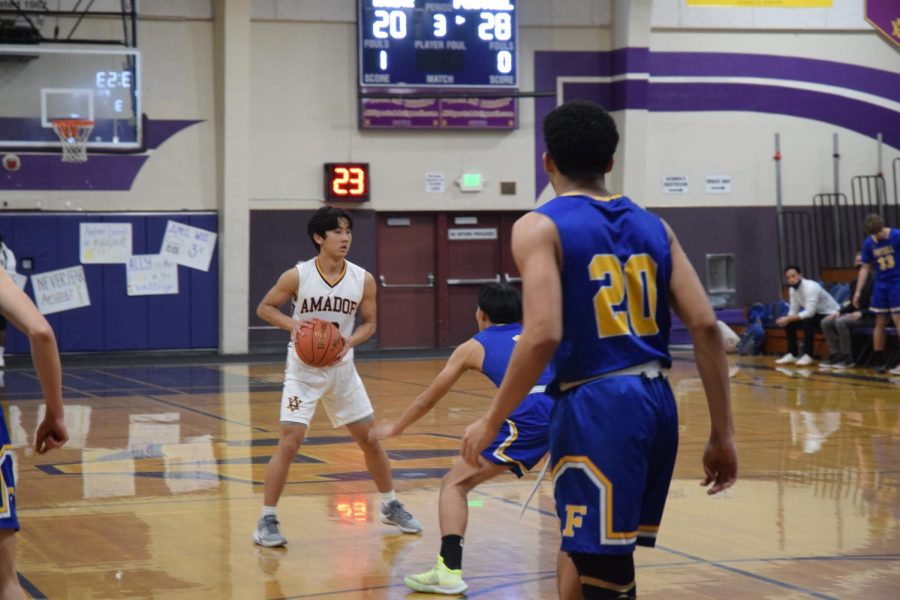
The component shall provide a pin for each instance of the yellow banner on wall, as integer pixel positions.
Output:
(764, 3)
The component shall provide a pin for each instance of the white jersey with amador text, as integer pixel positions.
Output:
(334, 301)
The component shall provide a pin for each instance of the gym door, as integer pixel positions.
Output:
(477, 250)
(405, 279)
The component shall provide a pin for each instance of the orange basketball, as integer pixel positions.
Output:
(318, 342)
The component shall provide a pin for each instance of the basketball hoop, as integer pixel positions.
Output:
(73, 135)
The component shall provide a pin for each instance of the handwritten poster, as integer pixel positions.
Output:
(151, 275)
(189, 246)
(105, 243)
(63, 289)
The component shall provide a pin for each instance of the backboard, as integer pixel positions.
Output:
(39, 84)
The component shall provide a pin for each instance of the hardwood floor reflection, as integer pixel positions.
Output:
(159, 488)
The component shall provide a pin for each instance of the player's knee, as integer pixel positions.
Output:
(605, 576)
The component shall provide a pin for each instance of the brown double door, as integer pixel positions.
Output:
(430, 266)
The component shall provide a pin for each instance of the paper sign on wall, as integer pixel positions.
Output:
(718, 184)
(434, 183)
(676, 184)
(151, 275)
(189, 246)
(486, 233)
(105, 243)
(63, 289)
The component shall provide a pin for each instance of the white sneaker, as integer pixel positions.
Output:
(895, 371)
(786, 359)
(804, 360)
(2, 361)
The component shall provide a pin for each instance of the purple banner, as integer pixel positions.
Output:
(434, 113)
(884, 15)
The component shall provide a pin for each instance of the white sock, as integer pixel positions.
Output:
(2, 348)
(388, 497)
(268, 510)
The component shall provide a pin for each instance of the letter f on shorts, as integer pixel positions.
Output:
(574, 512)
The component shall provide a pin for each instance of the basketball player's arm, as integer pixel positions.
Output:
(469, 355)
(861, 282)
(367, 312)
(269, 309)
(690, 302)
(536, 249)
(21, 311)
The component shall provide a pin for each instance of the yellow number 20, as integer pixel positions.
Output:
(635, 284)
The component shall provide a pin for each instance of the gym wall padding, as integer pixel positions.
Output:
(116, 321)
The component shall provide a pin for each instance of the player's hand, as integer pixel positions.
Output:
(856, 299)
(51, 434)
(720, 464)
(781, 321)
(382, 432)
(477, 437)
(344, 350)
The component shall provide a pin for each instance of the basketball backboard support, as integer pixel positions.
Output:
(40, 84)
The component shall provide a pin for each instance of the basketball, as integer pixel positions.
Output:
(318, 342)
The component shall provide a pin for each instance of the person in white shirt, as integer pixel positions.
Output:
(8, 264)
(810, 303)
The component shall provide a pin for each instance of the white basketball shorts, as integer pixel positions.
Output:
(339, 388)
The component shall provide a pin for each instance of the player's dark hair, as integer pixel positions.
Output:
(501, 302)
(794, 267)
(581, 139)
(325, 219)
(873, 224)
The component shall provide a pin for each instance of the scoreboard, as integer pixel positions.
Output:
(438, 43)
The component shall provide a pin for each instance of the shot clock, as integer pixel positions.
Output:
(346, 182)
(426, 43)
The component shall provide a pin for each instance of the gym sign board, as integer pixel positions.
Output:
(884, 15)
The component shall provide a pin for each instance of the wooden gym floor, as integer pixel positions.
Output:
(158, 490)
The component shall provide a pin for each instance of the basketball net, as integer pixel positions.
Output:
(73, 135)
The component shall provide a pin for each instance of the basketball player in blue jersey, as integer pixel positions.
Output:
(520, 444)
(881, 253)
(598, 274)
(51, 433)
(331, 288)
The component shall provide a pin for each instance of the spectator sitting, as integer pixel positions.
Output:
(837, 325)
(810, 303)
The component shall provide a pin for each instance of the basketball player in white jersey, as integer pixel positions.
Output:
(331, 288)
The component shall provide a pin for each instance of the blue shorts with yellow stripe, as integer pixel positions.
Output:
(524, 438)
(612, 445)
(885, 297)
(8, 518)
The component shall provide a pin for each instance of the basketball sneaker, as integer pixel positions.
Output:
(267, 532)
(895, 371)
(804, 360)
(786, 359)
(394, 513)
(439, 580)
(831, 362)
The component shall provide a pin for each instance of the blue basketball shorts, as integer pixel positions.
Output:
(612, 445)
(885, 297)
(524, 438)
(8, 518)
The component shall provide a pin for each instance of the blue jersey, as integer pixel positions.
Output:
(498, 342)
(616, 266)
(884, 256)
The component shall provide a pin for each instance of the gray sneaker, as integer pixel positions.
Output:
(267, 532)
(394, 513)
